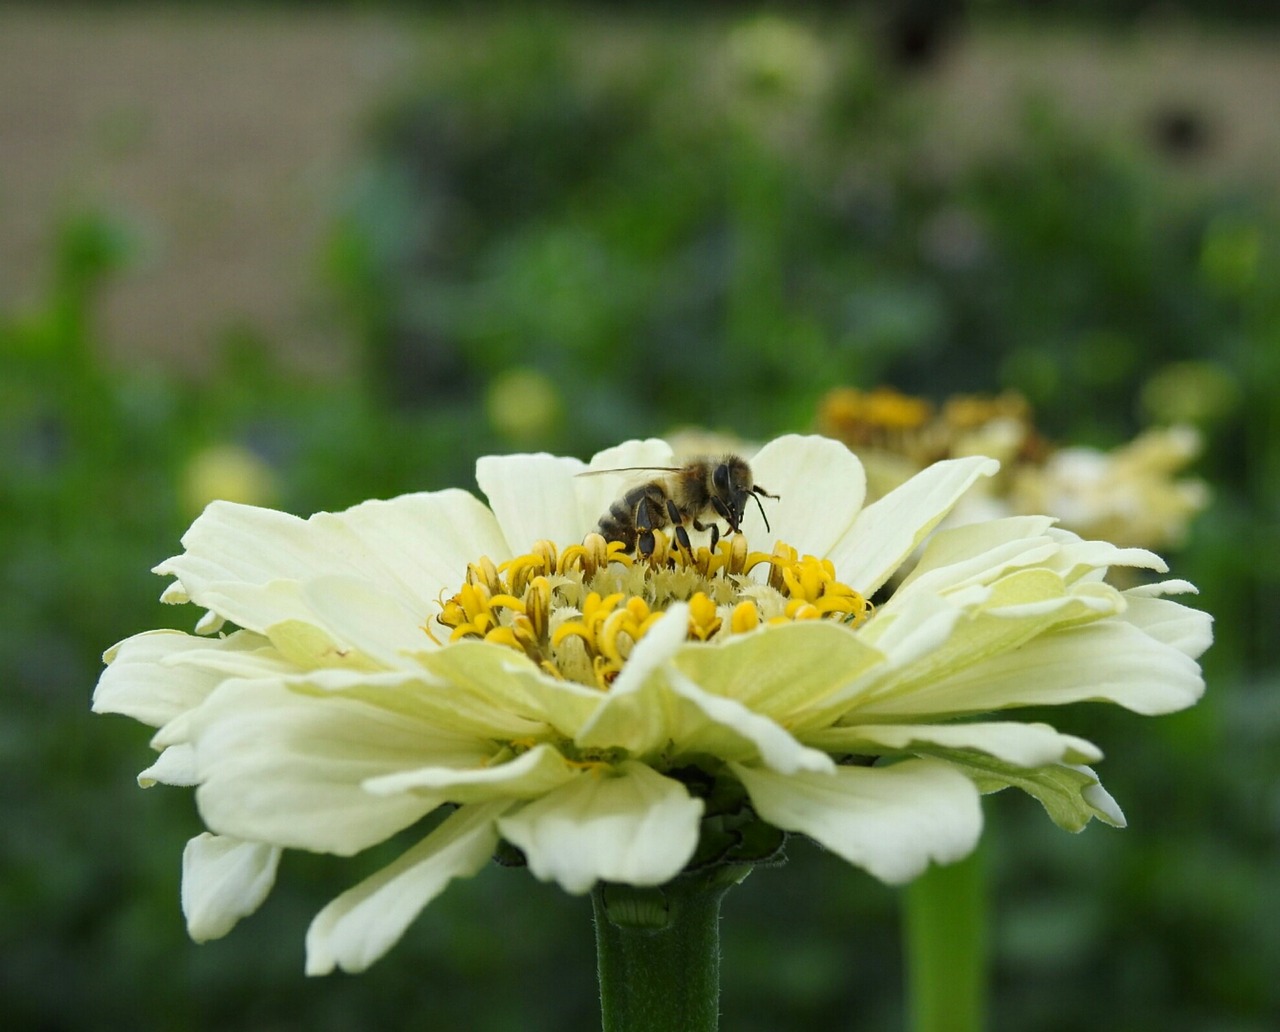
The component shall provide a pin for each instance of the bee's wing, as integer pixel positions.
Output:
(629, 469)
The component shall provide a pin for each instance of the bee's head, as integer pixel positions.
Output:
(732, 485)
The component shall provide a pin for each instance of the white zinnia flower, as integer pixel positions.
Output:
(598, 712)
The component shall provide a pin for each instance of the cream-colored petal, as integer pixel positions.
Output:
(412, 547)
(1188, 630)
(1158, 589)
(533, 498)
(978, 553)
(147, 679)
(528, 776)
(378, 625)
(1106, 661)
(327, 621)
(888, 530)
(279, 767)
(364, 922)
(223, 880)
(1024, 745)
(892, 820)
(780, 671)
(175, 765)
(653, 710)
(508, 681)
(631, 825)
(455, 706)
(670, 716)
(821, 485)
(1077, 558)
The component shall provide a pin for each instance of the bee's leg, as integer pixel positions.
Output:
(682, 536)
(715, 532)
(645, 543)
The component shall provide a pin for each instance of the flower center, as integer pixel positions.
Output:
(578, 612)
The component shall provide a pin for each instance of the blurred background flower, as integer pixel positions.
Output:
(367, 243)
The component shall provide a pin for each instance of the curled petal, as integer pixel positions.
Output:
(632, 825)
(528, 776)
(890, 528)
(233, 547)
(1105, 661)
(365, 921)
(146, 677)
(1188, 630)
(1024, 745)
(1071, 794)
(276, 766)
(892, 821)
(176, 765)
(223, 880)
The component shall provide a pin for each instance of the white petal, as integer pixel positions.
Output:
(176, 765)
(671, 716)
(411, 547)
(510, 690)
(1077, 557)
(145, 678)
(364, 922)
(533, 498)
(1026, 745)
(532, 774)
(637, 827)
(1164, 587)
(462, 706)
(773, 671)
(892, 821)
(978, 553)
(1106, 661)
(821, 485)
(276, 766)
(1104, 806)
(376, 624)
(888, 530)
(1188, 630)
(223, 880)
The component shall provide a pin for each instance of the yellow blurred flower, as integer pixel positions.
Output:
(227, 472)
(1131, 495)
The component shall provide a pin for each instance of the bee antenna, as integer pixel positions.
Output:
(760, 506)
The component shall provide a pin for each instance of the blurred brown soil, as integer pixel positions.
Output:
(226, 137)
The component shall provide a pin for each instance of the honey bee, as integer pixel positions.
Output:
(719, 486)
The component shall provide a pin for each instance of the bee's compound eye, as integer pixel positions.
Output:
(720, 478)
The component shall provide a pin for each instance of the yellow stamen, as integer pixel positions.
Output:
(600, 595)
(703, 621)
(745, 617)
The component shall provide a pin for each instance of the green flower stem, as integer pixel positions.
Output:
(659, 953)
(946, 947)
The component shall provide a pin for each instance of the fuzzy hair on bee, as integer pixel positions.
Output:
(684, 495)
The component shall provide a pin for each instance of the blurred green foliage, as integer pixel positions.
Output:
(568, 235)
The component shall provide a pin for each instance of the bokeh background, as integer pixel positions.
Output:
(304, 255)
